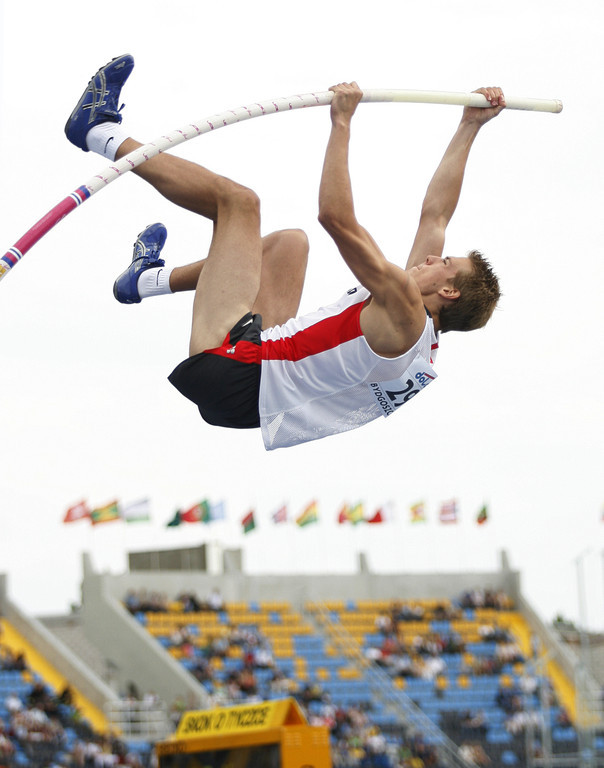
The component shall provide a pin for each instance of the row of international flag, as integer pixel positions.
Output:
(356, 513)
(133, 512)
(207, 512)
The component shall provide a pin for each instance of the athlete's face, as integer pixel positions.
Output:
(436, 274)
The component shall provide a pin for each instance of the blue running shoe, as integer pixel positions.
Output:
(146, 255)
(98, 103)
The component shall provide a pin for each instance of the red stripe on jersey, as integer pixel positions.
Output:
(243, 351)
(323, 335)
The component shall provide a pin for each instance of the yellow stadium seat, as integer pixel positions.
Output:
(349, 673)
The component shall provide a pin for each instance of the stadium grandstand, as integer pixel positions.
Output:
(398, 670)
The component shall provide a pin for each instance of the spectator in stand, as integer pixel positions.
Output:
(405, 612)
(190, 603)
(519, 721)
(13, 703)
(384, 624)
(263, 657)
(563, 719)
(375, 750)
(65, 697)
(39, 696)
(454, 644)
(132, 602)
(431, 667)
(474, 753)
(493, 633)
(12, 661)
(375, 655)
(509, 653)
(528, 684)
(389, 647)
(176, 711)
(472, 599)
(310, 692)
(183, 639)
(215, 646)
(445, 612)
(33, 727)
(141, 602)
(7, 748)
(423, 751)
(474, 722)
(246, 680)
(282, 684)
(151, 700)
(215, 601)
(202, 671)
(483, 665)
(509, 699)
(402, 666)
(485, 598)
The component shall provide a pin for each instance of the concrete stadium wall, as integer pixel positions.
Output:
(133, 654)
(55, 652)
(298, 589)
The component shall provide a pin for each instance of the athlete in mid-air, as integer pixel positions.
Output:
(253, 362)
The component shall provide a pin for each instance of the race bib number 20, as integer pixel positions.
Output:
(390, 395)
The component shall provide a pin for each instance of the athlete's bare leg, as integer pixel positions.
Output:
(229, 282)
(284, 259)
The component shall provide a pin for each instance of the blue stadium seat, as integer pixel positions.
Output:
(499, 736)
(442, 627)
(564, 734)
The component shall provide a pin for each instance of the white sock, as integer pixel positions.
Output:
(154, 282)
(105, 139)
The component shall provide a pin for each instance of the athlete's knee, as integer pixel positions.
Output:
(233, 195)
(288, 242)
(299, 241)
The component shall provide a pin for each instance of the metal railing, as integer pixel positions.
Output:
(411, 717)
(138, 720)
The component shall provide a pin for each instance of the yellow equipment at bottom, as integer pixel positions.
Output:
(272, 734)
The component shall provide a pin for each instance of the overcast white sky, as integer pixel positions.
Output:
(515, 418)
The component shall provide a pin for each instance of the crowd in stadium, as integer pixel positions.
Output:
(46, 726)
(48, 730)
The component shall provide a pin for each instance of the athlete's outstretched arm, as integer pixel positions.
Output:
(444, 189)
(336, 206)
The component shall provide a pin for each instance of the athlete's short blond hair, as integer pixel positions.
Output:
(479, 293)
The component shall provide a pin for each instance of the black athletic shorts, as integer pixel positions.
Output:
(224, 382)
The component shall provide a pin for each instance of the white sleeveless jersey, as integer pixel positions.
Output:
(319, 375)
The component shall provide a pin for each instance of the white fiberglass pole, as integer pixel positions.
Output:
(207, 124)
